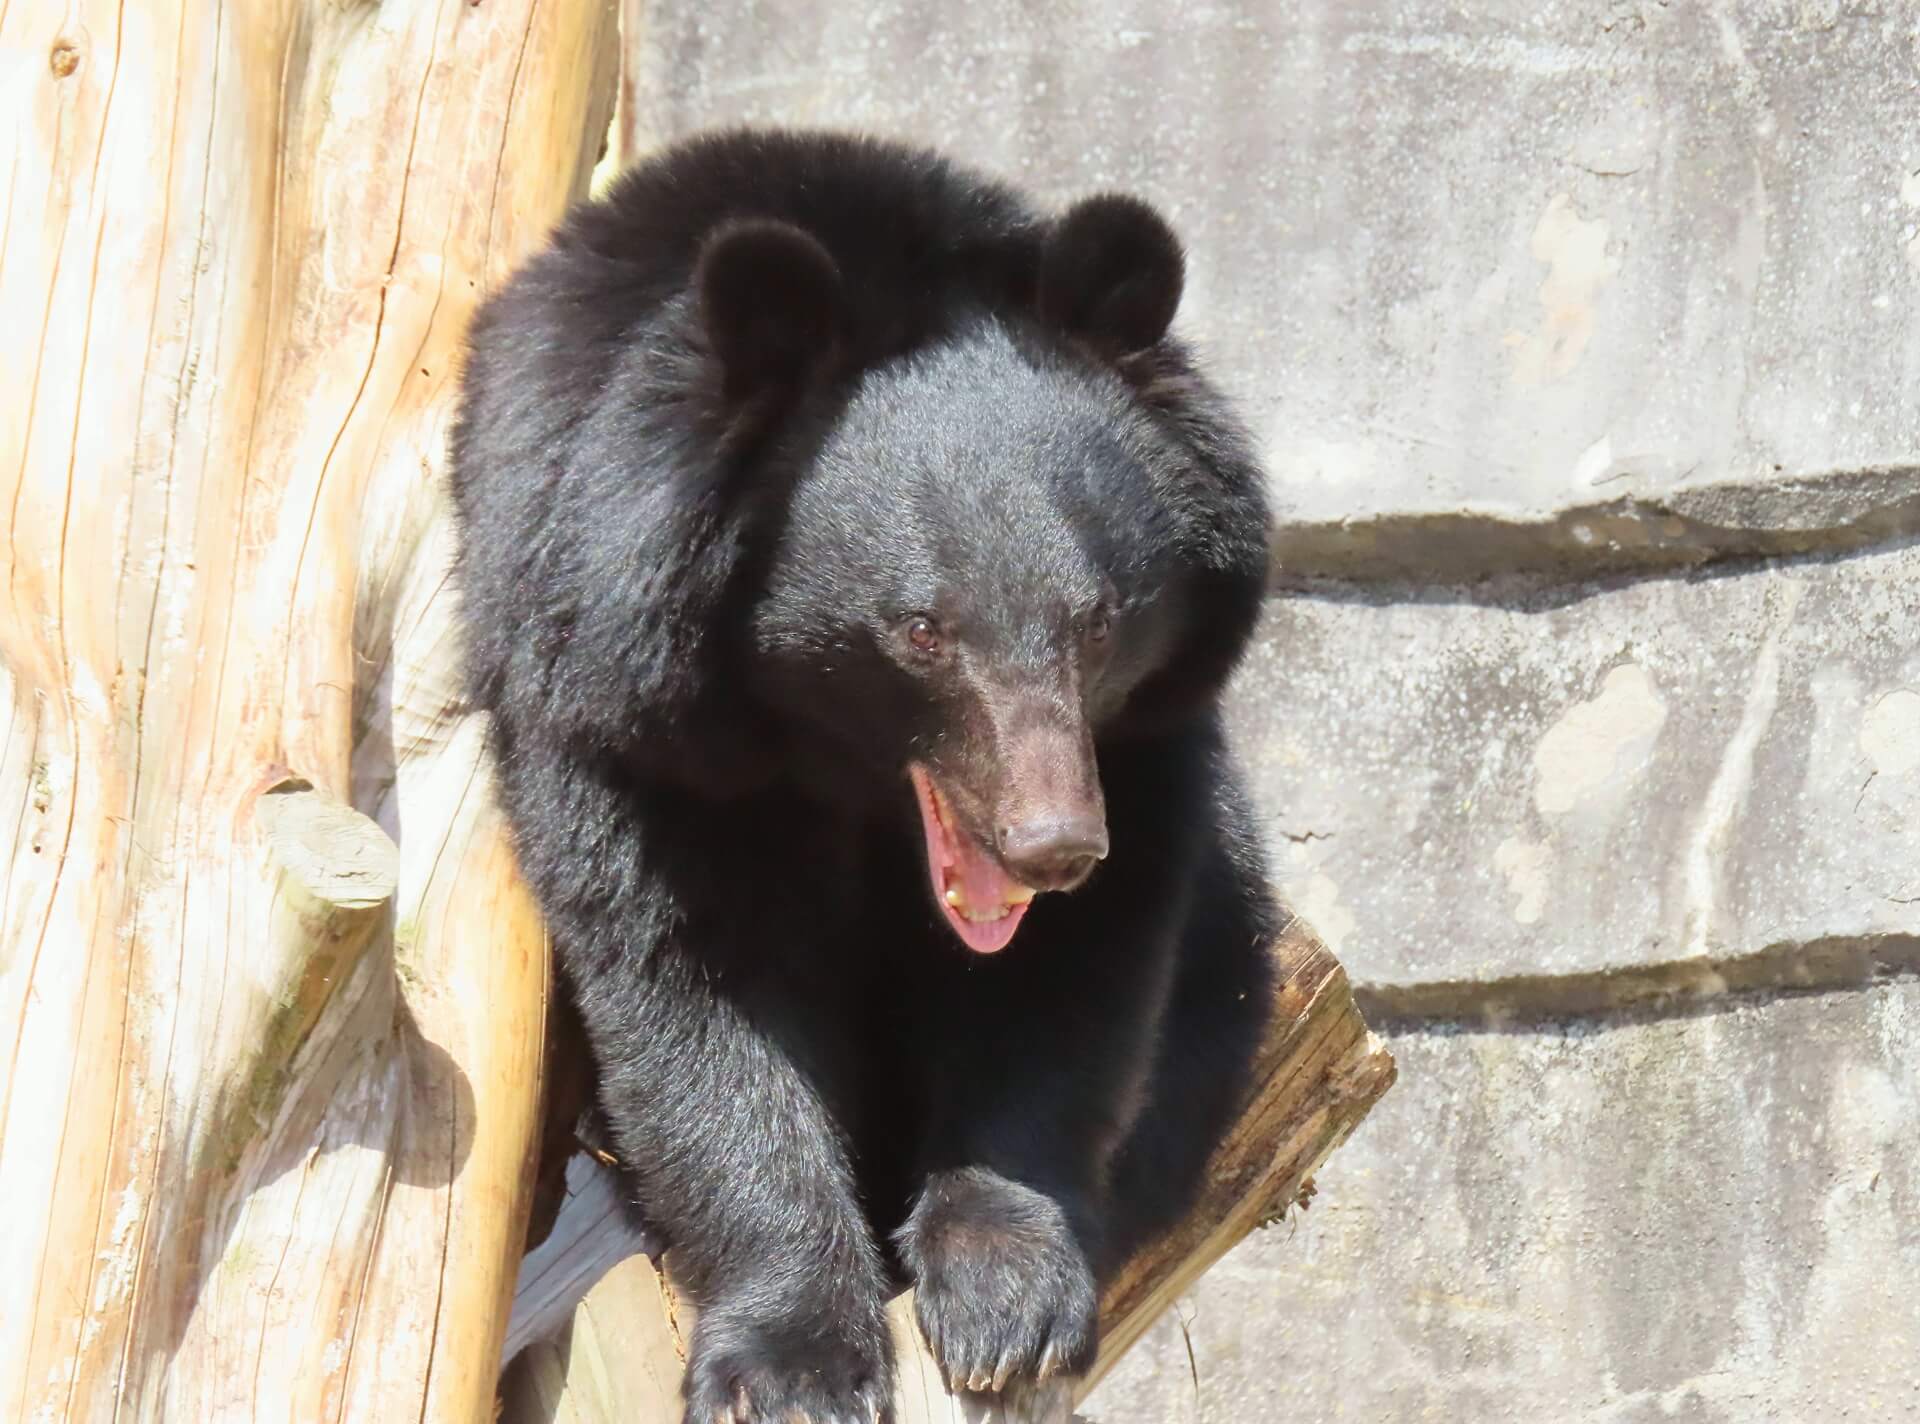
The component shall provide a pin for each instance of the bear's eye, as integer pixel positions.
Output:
(923, 635)
(1098, 626)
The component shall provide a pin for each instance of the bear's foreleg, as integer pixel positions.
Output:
(737, 1161)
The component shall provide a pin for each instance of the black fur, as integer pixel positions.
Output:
(1111, 273)
(798, 459)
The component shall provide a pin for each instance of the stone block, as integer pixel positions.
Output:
(1710, 766)
(1708, 1218)
(1515, 285)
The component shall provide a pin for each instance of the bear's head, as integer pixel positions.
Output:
(1018, 544)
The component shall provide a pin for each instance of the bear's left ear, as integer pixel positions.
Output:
(1111, 271)
(771, 301)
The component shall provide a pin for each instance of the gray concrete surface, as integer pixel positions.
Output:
(1504, 259)
(1585, 778)
(1708, 1218)
(1583, 341)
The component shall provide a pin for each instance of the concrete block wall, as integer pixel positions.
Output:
(1583, 339)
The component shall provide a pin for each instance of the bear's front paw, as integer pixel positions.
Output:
(807, 1370)
(1002, 1288)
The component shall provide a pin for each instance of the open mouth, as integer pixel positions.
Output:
(982, 902)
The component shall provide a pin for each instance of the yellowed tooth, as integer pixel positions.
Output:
(1020, 895)
(953, 896)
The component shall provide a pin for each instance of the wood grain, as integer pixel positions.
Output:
(270, 994)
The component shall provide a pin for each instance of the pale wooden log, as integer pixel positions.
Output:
(591, 1237)
(271, 998)
(1318, 1074)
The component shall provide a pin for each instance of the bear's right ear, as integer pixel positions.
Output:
(771, 303)
(1111, 272)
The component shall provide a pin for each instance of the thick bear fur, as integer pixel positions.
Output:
(800, 474)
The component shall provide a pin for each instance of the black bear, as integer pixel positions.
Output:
(852, 565)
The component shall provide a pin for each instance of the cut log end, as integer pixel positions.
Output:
(332, 852)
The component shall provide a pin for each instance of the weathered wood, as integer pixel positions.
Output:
(593, 1235)
(271, 998)
(1319, 1073)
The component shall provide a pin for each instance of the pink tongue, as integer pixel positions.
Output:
(956, 862)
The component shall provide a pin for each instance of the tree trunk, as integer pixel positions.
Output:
(271, 995)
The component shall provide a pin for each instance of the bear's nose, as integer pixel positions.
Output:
(1054, 852)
